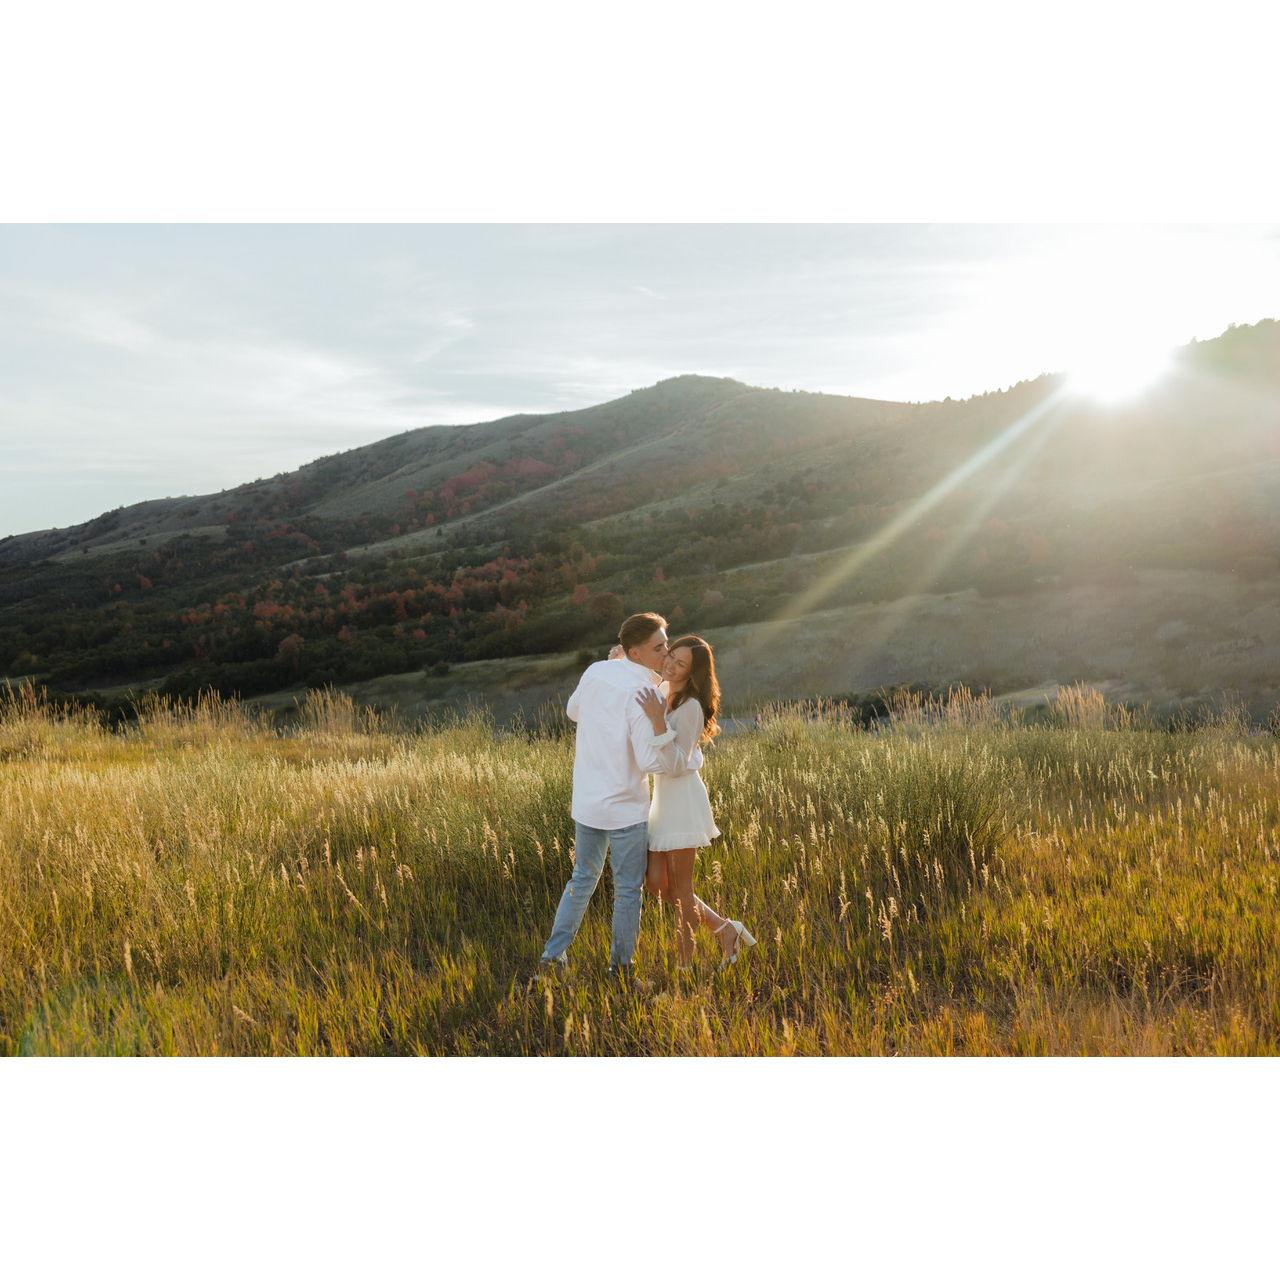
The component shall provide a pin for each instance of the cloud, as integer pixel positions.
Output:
(211, 354)
(100, 321)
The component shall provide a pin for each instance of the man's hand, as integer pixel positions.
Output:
(655, 707)
(616, 652)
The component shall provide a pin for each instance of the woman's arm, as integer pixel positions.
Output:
(671, 748)
(684, 753)
(652, 739)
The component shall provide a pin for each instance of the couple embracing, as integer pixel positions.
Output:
(647, 709)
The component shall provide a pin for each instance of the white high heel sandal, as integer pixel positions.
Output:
(743, 938)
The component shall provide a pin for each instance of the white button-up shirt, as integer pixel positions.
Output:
(617, 748)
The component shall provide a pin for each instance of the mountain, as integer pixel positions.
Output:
(939, 536)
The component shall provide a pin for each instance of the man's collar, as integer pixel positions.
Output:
(639, 666)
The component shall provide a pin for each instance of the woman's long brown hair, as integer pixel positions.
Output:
(702, 683)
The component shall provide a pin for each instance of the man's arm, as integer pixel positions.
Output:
(574, 704)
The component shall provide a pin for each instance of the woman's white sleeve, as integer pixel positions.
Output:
(687, 720)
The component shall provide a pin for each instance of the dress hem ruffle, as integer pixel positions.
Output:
(684, 840)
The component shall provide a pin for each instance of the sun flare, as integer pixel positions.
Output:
(1117, 372)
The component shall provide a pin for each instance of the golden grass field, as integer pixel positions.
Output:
(962, 882)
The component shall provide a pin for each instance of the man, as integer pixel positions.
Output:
(617, 748)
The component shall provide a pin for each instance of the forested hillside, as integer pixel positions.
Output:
(721, 504)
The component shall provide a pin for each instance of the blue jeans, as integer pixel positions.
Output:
(630, 846)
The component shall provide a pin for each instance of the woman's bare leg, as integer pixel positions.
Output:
(657, 881)
(655, 875)
(707, 917)
(680, 887)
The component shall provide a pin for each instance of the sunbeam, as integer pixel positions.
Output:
(809, 599)
(1114, 373)
(896, 610)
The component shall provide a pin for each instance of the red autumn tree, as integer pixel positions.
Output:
(607, 607)
(290, 649)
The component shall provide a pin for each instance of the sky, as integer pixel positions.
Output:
(145, 361)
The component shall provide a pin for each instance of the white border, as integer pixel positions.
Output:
(697, 112)
(258, 110)
(564, 1168)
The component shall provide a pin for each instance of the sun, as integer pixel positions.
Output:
(1118, 371)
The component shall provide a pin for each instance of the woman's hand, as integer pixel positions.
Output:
(616, 652)
(655, 707)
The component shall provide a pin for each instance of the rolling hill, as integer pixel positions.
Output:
(830, 544)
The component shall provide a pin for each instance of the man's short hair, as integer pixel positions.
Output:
(638, 628)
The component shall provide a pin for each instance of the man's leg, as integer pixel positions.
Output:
(630, 852)
(588, 862)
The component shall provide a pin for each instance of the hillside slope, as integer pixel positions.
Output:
(523, 451)
(721, 504)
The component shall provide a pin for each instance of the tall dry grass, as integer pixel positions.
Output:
(954, 881)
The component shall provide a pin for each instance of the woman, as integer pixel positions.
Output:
(680, 818)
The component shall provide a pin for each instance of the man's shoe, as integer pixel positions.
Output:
(625, 976)
(551, 968)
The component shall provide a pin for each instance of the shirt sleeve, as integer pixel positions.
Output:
(575, 699)
(647, 745)
(657, 753)
(687, 720)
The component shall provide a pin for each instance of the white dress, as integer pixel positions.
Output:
(680, 813)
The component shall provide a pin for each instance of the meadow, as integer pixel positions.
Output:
(959, 880)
